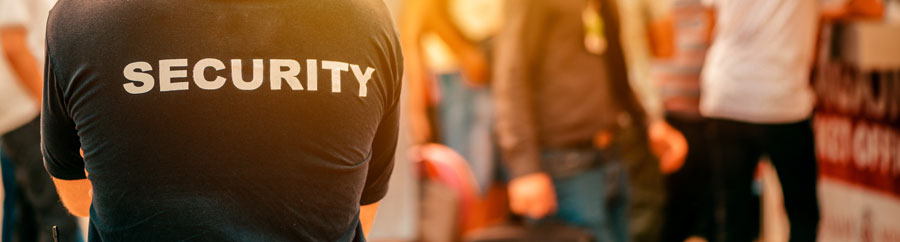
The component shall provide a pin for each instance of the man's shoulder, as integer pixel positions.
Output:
(68, 10)
(74, 17)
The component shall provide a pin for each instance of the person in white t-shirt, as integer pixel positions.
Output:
(37, 207)
(756, 89)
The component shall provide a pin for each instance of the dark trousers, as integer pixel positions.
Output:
(737, 148)
(38, 205)
(689, 205)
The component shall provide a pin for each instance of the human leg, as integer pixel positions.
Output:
(735, 152)
(582, 201)
(792, 151)
(617, 196)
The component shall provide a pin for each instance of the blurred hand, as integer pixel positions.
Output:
(475, 67)
(669, 146)
(603, 139)
(421, 129)
(532, 196)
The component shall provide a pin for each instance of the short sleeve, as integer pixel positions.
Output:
(382, 163)
(384, 145)
(13, 12)
(59, 139)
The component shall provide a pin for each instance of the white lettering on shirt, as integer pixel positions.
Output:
(237, 75)
(280, 71)
(201, 80)
(276, 74)
(336, 68)
(145, 79)
(312, 75)
(363, 79)
(166, 74)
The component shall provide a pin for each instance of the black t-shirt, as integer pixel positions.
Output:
(259, 120)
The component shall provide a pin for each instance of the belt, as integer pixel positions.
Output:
(563, 163)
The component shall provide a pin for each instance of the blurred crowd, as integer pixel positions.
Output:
(547, 120)
(626, 120)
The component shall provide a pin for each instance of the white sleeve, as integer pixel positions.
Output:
(13, 12)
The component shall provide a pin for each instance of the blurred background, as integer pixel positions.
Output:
(608, 120)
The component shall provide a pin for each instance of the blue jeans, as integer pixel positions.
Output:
(465, 119)
(596, 200)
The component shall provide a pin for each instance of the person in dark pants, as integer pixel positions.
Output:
(756, 89)
(37, 204)
(790, 148)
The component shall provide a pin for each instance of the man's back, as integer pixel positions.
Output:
(223, 120)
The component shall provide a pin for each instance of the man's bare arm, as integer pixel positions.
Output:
(367, 216)
(76, 195)
(23, 62)
(412, 25)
